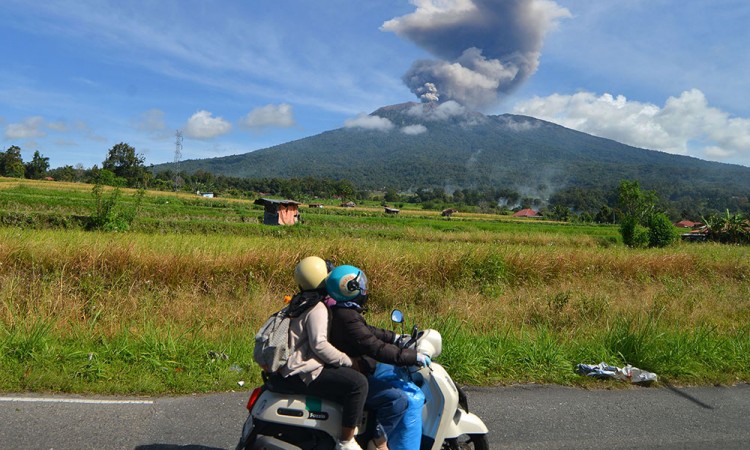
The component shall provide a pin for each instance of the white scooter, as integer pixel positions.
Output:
(289, 421)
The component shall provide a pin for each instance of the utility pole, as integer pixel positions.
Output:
(177, 157)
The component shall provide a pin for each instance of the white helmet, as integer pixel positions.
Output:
(311, 273)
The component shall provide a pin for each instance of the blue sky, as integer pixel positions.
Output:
(81, 76)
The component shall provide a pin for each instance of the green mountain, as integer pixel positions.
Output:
(411, 146)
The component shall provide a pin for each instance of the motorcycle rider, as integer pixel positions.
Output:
(315, 366)
(366, 345)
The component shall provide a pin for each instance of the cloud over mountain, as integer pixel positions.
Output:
(685, 125)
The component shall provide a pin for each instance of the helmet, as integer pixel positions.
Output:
(347, 283)
(310, 273)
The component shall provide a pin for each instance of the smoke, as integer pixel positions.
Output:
(485, 48)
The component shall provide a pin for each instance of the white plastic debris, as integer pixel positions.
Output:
(241, 383)
(627, 373)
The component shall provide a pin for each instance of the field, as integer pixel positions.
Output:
(171, 306)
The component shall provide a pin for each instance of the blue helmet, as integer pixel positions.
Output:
(346, 284)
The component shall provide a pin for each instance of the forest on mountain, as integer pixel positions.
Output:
(428, 155)
(438, 160)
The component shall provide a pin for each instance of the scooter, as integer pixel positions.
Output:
(283, 420)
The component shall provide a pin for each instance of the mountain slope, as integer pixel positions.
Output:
(432, 146)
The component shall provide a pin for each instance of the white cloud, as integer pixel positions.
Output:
(31, 127)
(684, 125)
(151, 121)
(267, 116)
(202, 125)
(414, 130)
(58, 126)
(369, 123)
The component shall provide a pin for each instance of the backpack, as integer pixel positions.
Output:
(272, 350)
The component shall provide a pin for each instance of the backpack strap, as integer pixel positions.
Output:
(302, 301)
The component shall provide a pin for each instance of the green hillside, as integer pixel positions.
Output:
(470, 150)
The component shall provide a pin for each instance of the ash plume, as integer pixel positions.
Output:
(484, 48)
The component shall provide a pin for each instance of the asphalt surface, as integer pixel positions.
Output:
(519, 417)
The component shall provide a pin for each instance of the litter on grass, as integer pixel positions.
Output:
(627, 373)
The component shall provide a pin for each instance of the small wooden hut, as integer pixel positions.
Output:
(279, 212)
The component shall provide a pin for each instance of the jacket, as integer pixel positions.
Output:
(351, 334)
(309, 345)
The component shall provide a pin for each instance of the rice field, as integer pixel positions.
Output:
(172, 305)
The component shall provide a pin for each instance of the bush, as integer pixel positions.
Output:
(661, 232)
(633, 234)
(108, 214)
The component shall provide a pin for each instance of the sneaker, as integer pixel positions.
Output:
(348, 445)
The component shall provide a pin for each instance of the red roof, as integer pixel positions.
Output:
(687, 224)
(526, 213)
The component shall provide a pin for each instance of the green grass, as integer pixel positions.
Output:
(172, 305)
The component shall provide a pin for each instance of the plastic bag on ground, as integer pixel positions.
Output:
(627, 373)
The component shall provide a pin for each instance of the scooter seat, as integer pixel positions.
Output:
(279, 388)
(276, 383)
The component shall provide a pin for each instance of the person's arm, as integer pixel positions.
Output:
(369, 344)
(316, 328)
(382, 334)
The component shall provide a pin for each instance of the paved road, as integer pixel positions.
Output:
(519, 417)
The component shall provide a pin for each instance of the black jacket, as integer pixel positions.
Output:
(351, 334)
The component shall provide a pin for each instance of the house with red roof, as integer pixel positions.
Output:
(688, 224)
(528, 212)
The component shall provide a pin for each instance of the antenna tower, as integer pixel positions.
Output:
(177, 157)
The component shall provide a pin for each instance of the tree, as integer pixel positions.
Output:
(391, 195)
(11, 163)
(559, 212)
(661, 232)
(38, 167)
(124, 162)
(636, 203)
(641, 224)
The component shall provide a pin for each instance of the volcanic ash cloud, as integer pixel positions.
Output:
(483, 48)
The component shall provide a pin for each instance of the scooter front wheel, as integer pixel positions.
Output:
(467, 442)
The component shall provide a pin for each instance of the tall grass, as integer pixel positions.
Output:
(175, 313)
(173, 307)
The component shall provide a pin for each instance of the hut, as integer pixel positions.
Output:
(688, 224)
(391, 210)
(527, 213)
(279, 212)
(448, 212)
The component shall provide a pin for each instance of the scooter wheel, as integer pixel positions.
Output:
(468, 442)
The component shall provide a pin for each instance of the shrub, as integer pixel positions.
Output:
(108, 214)
(661, 232)
(633, 234)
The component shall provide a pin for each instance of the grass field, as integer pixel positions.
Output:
(172, 305)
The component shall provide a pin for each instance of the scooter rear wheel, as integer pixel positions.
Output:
(467, 442)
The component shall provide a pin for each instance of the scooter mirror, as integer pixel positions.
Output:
(397, 316)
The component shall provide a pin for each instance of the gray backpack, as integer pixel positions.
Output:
(272, 350)
(272, 342)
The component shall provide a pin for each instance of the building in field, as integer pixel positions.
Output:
(528, 212)
(279, 212)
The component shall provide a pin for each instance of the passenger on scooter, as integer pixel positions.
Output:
(366, 345)
(315, 366)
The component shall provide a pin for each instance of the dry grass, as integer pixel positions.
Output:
(76, 277)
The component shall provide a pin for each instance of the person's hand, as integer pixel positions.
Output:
(401, 338)
(423, 360)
